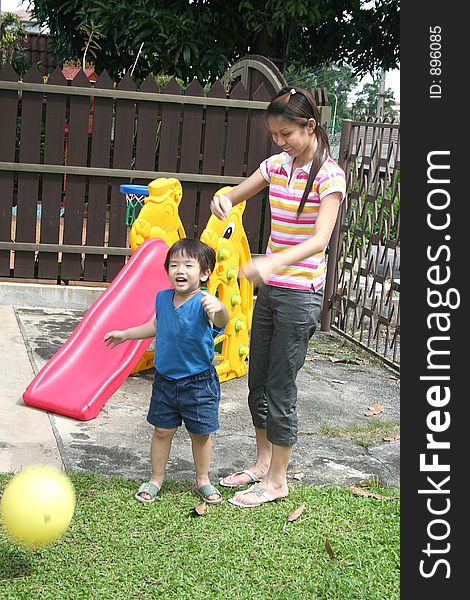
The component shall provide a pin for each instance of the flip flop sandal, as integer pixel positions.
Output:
(260, 492)
(253, 479)
(147, 488)
(209, 490)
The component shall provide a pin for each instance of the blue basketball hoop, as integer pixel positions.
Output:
(135, 195)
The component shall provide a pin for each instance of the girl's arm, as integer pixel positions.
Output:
(259, 269)
(141, 332)
(222, 204)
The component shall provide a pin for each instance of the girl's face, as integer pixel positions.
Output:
(185, 274)
(299, 142)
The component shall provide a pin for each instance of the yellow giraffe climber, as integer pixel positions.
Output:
(159, 218)
(228, 240)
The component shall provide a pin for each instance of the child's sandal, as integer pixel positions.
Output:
(147, 488)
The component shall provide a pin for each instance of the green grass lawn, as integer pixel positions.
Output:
(117, 548)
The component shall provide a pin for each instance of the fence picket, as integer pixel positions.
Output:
(212, 155)
(170, 131)
(122, 159)
(259, 144)
(101, 127)
(237, 122)
(8, 121)
(53, 184)
(190, 157)
(28, 183)
(147, 129)
(76, 154)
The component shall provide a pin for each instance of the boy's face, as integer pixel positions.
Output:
(185, 273)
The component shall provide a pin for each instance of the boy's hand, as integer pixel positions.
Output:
(211, 305)
(215, 310)
(114, 338)
(221, 205)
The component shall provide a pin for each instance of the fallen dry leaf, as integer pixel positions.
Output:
(295, 514)
(366, 483)
(391, 438)
(374, 409)
(351, 361)
(200, 509)
(363, 483)
(362, 492)
(299, 476)
(253, 554)
(329, 549)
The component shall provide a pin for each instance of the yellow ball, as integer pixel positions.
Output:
(37, 506)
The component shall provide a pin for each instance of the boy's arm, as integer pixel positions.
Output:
(215, 310)
(141, 332)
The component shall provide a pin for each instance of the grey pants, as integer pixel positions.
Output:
(284, 320)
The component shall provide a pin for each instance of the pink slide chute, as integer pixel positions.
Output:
(84, 373)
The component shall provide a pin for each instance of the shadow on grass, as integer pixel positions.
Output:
(13, 564)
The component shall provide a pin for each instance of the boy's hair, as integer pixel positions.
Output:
(298, 105)
(192, 248)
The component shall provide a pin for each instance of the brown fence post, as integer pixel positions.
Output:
(100, 128)
(74, 200)
(122, 158)
(258, 145)
(213, 153)
(52, 183)
(28, 183)
(8, 112)
(336, 239)
(190, 153)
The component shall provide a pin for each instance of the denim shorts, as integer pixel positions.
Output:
(194, 400)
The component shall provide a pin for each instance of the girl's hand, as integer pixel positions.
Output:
(221, 206)
(114, 338)
(211, 305)
(258, 270)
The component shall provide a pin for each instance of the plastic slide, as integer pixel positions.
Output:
(84, 373)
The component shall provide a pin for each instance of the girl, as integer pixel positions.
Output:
(306, 188)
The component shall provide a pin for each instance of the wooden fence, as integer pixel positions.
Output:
(66, 149)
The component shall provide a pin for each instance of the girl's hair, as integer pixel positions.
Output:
(298, 105)
(192, 248)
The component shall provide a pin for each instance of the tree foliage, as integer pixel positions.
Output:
(339, 81)
(365, 104)
(12, 38)
(201, 38)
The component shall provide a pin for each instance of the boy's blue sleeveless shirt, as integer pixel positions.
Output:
(184, 343)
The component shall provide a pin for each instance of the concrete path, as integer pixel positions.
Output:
(331, 395)
(26, 436)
